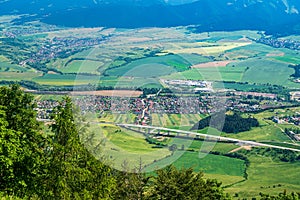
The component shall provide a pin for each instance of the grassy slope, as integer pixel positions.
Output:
(151, 67)
(79, 66)
(207, 163)
(123, 145)
(264, 174)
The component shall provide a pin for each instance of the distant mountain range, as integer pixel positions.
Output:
(275, 16)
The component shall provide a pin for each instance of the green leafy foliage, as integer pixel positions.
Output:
(281, 196)
(171, 183)
(21, 143)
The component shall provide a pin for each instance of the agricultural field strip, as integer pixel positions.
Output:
(209, 136)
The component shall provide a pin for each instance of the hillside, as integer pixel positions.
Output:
(273, 16)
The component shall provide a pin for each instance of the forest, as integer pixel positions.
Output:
(39, 165)
(234, 123)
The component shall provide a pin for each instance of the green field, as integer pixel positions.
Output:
(252, 50)
(259, 71)
(73, 79)
(48, 97)
(239, 86)
(143, 70)
(66, 79)
(266, 71)
(17, 76)
(8, 67)
(210, 164)
(197, 145)
(82, 66)
(211, 74)
(151, 67)
(195, 59)
(264, 174)
(261, 134)
(289, 59)
(267, 176)
(117, 118)
(175, 120)
(122, 145)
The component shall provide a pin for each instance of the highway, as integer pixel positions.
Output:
(246, 142)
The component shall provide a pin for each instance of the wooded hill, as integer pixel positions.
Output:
(227, 123)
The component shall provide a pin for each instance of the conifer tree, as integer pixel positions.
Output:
(73, 172)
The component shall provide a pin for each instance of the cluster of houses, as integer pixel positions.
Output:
(29, 30)
(45, 108)
(144, 107)
(294, 119)
(280, 43)
(62, 46)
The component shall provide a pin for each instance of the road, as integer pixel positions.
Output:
(245, 142)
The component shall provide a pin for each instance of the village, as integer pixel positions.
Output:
(143, 107)
(60, 47)
(280, 43)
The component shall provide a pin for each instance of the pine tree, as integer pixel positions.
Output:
(131, 184)
(73, 172)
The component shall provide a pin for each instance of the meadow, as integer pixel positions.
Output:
(175, 120)
(265, 71)
(151, 67)
(117, 118)
(17, 76)
(95, 80)
(6, 66)
(210, 74)
(66, 79)
(291, 59)
(121, 146)
(82, 66)
(267, 176)
(209, 164)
